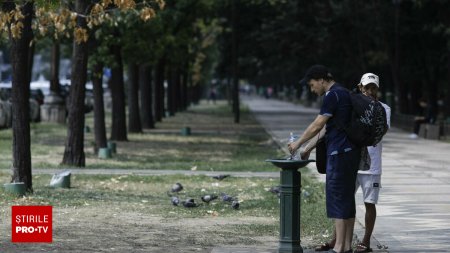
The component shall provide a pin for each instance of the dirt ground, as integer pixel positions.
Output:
(96, 229)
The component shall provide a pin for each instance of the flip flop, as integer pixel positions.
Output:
(324, 247)
(361, 248)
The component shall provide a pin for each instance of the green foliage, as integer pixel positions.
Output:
(48, 4)
(279, 40)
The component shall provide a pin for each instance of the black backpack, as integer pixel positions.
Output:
(368, 123)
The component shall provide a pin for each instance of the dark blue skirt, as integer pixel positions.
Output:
(342, 170)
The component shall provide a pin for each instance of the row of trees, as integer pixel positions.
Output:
(189, 42)
(156, 41)
(407, 43)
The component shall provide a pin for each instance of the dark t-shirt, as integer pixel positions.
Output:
(338, 106)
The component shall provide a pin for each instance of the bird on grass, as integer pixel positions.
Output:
(235, 204)
(175, 201)
(220, 177)
(188, 203)
(208, 198)
(225, 197)
(177, 187)
(275, 190)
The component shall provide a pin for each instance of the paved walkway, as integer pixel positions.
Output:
(414, 206)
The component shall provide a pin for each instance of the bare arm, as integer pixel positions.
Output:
(312, 130)
(312, 144)
(304, 154)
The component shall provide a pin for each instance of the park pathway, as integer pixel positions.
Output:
(414, 205)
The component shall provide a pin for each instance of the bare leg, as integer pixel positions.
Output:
(349, 225)
(340, 228)
(333, 241)
(344, 234)
(371, 215)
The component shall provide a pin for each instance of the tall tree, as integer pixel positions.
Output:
(146, 96)
(54, 68)
(74, 147)
(160, 73)
(184, 87)
(134, 118)
(20, 42)
(171, 89)
(234, 62)
(118, 125)
(99, 107)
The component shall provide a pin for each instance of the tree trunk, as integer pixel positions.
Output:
(119, 125)
(229, 92)
(74, 150)
(54, 68)
(30, 61)
(99, 107)
(171, 90)
(19, 98)
(177, 92)
(235, 64)
(134, 119)
(145, 85)
(157, 101)
(184, 89)
(400, 88)
(159, 89)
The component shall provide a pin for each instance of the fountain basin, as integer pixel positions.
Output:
(286, 164)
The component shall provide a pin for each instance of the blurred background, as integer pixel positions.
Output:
(266, 46)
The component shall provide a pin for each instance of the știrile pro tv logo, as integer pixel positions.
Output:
(31, 224)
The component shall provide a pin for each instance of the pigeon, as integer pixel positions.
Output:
(189, 203)
(235, 204)
(208, 198)
(306, 193)
(275, 189)
(175, 201)
(177, 187)
(220, 177)
(226, 198)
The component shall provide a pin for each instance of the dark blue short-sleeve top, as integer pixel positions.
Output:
(337, 105)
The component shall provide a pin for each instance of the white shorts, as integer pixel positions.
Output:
(370, 185)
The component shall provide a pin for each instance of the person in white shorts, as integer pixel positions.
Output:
(370, 180)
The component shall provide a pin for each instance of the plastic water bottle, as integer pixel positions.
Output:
(292, 138)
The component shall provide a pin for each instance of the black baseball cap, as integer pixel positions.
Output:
(318, 72)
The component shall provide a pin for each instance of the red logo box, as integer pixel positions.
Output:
(32, 224)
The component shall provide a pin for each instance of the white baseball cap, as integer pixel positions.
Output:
(370, 78)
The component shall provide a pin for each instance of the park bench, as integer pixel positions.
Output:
(445, 128)
(439, 130)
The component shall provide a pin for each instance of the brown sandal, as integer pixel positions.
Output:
(324, 247)
(361, 248)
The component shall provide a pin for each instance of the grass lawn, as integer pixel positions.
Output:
(216, 144)
(130, 213)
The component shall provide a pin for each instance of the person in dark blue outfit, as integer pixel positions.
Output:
(342, 156)
(429, 117)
